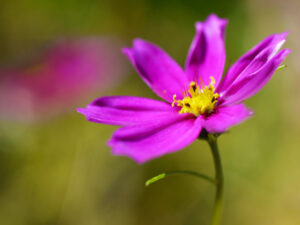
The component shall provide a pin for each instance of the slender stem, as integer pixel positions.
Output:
(193, 173)
(175, 172)
(218, 204)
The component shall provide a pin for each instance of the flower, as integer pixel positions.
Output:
(65, 73)
(195, 98)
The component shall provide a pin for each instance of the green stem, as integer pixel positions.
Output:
(193, 173)
(218, 204)
(175, 172)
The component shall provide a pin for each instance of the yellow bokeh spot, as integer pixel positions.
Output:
(198, 100)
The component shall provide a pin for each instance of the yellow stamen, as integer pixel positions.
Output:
(196, 100)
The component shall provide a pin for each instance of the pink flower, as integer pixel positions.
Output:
(67, 72)
(196, 98)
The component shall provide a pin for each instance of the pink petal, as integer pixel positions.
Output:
(253, 60)
(206, 56)
(226, 117)
(252, 83)
(161, 73)
(127, 110)
(146, 142)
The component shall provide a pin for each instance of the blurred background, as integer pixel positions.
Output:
(55, 168)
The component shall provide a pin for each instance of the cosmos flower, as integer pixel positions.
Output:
(195, 98)
(67, 72)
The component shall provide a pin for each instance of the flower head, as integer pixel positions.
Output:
(67, 72)
(195, 98)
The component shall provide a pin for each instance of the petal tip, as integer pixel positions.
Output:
(283, 54)
(127, 51)
(214, 17)
(287, 51)
(214, 22)
(286, 33)
(117, 152)
(198, 25)
(137, 42)
(81, 110)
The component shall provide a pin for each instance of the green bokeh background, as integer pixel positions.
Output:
(60, 171)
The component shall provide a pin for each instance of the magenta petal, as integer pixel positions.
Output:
(253, 60)
(161, 73)
(251, 84)
(132, 103)
(206, 56)
(143, 143)
(226, 117)
(142, 130)
(126, 110)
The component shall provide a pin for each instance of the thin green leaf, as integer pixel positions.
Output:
(156, 178)
(281, 67)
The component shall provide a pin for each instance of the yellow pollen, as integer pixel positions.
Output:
(196, 100)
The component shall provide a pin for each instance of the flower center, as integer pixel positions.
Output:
(198, 99)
